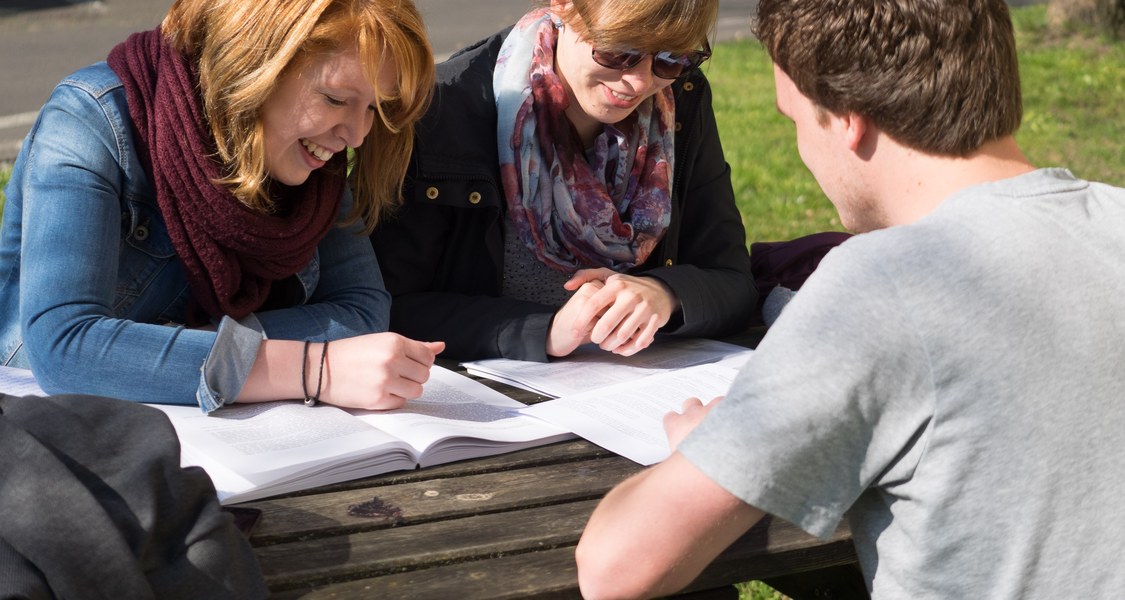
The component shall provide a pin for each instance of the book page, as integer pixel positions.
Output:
(590, 367)
(628, 418)
(256, 447)
(19, 382)
(461, 418)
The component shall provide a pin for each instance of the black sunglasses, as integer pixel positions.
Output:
(665, 65)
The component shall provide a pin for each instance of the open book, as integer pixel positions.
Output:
(257, 450)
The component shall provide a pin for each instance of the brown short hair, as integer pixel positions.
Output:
(242, 48)
(940, 76)
(645, 25)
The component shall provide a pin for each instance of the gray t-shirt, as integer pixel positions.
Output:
(958, 386)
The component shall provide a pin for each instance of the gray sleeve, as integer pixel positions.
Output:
(833, 399)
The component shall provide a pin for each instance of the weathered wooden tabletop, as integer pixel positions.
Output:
(492, 528)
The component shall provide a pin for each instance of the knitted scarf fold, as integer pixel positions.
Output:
(230, 252)
(607, 209)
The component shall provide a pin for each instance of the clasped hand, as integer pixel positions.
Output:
(620, 313)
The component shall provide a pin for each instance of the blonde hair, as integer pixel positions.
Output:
(644, 25)
(243, 47)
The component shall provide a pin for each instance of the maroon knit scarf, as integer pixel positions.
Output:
(231, 253)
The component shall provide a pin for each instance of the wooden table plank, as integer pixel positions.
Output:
(775, 547)
(411, 502)
(387, 551)
(771, 548)
(540, 575)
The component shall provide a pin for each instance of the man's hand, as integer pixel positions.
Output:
(677, 425)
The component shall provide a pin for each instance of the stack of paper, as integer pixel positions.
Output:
(619, 402)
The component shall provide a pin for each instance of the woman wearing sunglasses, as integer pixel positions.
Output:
(568, 186)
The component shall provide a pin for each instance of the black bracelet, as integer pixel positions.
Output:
(304, 373)
(314, 399)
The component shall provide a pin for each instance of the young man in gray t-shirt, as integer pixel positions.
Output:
(952, 379)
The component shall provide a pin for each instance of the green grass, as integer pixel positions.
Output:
(5, 172)
(1073, 87)
(756, 590)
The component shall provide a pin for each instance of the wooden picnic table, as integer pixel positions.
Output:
(492, 528)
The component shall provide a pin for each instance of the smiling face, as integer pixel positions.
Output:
(323, 104)
(599, 95)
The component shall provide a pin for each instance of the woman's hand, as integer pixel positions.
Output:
(566, 332)
(378, 371)
(622, 316)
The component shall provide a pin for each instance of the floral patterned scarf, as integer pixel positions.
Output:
(609, 210)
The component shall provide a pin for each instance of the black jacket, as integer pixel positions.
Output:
(96, 505)
(442, 253)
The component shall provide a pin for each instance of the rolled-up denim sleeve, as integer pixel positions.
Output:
(228, 364)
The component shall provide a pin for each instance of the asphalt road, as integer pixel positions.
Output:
(42, 41)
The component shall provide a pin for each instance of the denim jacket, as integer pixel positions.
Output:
(93, 295)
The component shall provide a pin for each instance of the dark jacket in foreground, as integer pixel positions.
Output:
(442, 253)
(96, 505)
